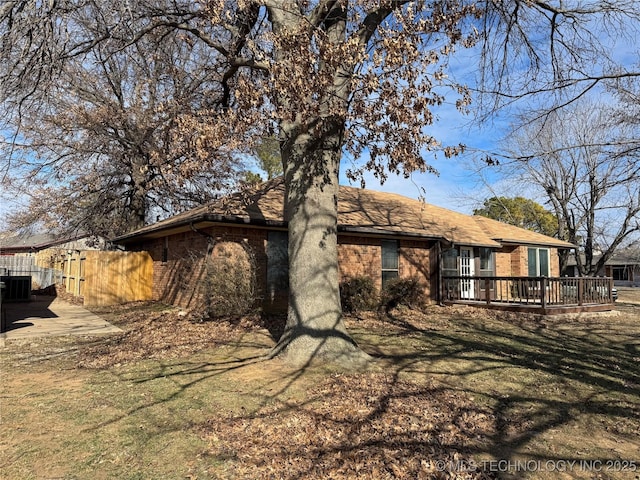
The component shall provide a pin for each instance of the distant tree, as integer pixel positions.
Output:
(521, 212)
(268, 153)
(251, 178)
(581, 160)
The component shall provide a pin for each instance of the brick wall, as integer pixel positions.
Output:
(521, 258)
(418, 259)
(554, 262)
(360, 257)
(519, 262)
(178, 280)
(505, 258)
(178, 272)
(514, 261)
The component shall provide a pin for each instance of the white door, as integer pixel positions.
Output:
(467, 270)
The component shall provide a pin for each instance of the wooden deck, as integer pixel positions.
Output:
(539, 295)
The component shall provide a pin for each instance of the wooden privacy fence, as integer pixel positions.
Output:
(102, 278)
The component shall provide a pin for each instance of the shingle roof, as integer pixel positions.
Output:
(625, 256)
(38, 241)
(27, 241)
(393, 213)
(505, 233)
(359, 210)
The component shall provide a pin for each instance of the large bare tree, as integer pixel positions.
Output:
(329, 77)
(585, 163)
(100, 147)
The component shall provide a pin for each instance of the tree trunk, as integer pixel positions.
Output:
(311, 147)
(138, 194)
(315, 330)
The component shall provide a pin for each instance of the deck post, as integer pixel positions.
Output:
(543, 292)
(610, 290)
(580, 291)
(487, 291)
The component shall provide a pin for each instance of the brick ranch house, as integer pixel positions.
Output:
(380, 235)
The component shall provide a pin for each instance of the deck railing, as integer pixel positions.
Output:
(534, 291)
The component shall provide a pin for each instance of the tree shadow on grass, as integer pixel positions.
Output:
(556, 373)
(306, 422)
(441, 398)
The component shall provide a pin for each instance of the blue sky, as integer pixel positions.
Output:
(458, 185)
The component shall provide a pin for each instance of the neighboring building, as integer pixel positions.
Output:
(32, 244)
(18, 255)
(380, 235)
(623, 267)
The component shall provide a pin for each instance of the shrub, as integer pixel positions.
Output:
(230, 282)
(358, 294)
(402, 291)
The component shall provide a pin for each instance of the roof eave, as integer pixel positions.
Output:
(198, 220)
(558, 244)
(387, 233)
(209, 218)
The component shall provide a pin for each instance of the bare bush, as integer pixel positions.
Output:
(230, 281)
(358, 294)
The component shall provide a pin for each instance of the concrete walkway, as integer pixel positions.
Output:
(50, 316)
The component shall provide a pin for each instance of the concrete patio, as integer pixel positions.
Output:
(50, 316)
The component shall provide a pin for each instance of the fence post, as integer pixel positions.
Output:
(543, 292)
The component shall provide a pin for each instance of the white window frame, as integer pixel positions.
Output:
(466, 266)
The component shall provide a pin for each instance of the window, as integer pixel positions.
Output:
(389, 260)
(620, 273)
(450, 262)
(486, 262)
(538, 262)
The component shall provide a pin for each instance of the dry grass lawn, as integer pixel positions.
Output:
(453, 393)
